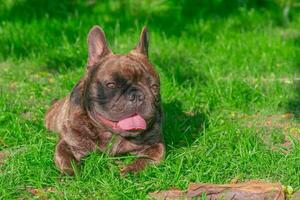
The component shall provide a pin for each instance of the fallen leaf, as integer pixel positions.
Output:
(168, 194)
(251, 190)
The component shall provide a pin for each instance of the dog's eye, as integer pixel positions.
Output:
(155, 88)
(111, 85)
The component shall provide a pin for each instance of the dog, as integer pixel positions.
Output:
(115, 107)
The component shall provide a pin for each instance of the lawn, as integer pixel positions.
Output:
(230, 75)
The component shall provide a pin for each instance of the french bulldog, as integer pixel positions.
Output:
(115, 107)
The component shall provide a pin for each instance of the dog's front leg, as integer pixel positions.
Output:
(64, 157)
(67, 154)
(151, 154)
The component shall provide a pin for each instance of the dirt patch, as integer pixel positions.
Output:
(42, 193)
(9, 152)
(3, 155)
(267, 80)
(277, 130)
(28, 115)
(284, 121)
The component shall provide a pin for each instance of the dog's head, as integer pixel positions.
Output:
(121, 92)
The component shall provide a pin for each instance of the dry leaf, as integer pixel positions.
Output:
(251, 190)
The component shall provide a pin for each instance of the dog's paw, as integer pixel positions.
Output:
(128, 169)
(134, 167)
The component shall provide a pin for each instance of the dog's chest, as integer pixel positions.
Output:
(105, 139)
(115, 144)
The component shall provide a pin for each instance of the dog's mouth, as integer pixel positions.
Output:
(133, 123)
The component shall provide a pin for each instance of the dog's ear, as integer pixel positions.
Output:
(143, 44)
(97, 45)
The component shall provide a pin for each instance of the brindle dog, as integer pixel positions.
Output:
(114, 107)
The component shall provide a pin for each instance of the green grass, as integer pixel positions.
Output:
(225, 66)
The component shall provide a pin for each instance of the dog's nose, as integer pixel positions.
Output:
(136, 95)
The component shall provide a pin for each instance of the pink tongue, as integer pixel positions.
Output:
(135, 122)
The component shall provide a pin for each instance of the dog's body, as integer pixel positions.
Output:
(115, 107)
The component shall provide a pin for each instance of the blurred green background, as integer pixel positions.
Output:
(27, 26)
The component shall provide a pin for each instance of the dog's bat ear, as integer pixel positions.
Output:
(143, 44)
(97, 45)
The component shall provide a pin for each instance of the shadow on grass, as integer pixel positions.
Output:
(157, 14)
(293, 105)
(70, 21)
(181, 68)
(28, 10)
(181, 128)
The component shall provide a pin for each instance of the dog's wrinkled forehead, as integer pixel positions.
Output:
(124, 67)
